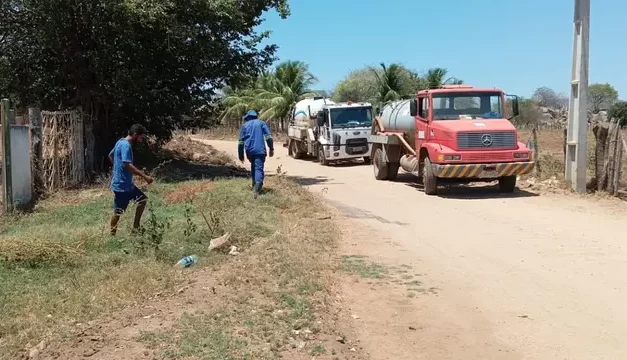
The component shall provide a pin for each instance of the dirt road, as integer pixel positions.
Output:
(472, 274)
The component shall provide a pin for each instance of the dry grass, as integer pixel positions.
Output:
(59, 268)
(230, 133)
(277, 292)
(181, 147)
(189, 192)
(551, 156)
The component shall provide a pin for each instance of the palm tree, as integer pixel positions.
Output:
(273, 94)
(391, 83)
(436, 77)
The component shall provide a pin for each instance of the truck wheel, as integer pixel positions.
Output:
(429, 181)
(295, 150)
(321, 159)
(507, 184)
(392, 171)
(380, 166)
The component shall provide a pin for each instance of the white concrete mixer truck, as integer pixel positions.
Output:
(331, 132)
(452, 134)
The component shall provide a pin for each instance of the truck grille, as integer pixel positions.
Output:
(481, 140)
(488, 156)
(356, 146)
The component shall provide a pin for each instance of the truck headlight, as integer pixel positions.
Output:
(521, 155)
(449, 157)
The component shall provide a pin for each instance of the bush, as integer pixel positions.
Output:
(618, 112)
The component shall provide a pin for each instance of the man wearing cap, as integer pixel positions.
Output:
(253, 137)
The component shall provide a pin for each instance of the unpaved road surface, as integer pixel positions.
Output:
(499, 276)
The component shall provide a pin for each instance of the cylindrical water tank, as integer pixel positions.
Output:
(305, 111)
(396, 117)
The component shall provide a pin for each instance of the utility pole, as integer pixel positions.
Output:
(577, 135)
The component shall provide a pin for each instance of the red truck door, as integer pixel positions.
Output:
(422, 121)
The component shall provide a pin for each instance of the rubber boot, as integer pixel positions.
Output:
(257, 189)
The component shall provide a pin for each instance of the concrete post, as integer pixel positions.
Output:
(575, 169)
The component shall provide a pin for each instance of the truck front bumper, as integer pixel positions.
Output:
(482, 171)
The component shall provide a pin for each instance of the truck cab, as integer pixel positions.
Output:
(452, 134)
(343, 131)
(330, 131)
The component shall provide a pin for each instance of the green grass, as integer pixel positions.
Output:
(357, 265)
(59, 266)
(276, 290)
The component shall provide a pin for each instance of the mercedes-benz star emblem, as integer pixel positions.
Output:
(486, 140)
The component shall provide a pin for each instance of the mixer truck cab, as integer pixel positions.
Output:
(330, 131)
(451, 134)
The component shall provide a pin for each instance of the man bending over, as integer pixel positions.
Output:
(124, 191)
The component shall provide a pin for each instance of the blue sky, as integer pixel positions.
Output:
(515, 45)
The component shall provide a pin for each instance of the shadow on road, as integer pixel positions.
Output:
(477, 191)
(357, 213)
(307, 181)
(338, 164)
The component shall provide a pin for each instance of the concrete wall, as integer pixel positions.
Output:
(20, 165)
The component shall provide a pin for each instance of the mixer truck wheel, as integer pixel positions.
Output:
(321, 159)
(295, 150)
(380, 166)
(429, 181)
(507, 184)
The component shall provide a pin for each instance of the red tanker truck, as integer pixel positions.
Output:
(451, 134)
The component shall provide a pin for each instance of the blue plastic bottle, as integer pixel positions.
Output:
(187, 261)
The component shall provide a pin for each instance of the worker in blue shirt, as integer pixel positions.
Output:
(253, 137)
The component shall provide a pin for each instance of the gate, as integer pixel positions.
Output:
(63, 149)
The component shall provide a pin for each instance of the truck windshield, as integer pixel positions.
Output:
(351, 117)
(476, 105)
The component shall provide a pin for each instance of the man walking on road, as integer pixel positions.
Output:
(253, 137)
(124, 191)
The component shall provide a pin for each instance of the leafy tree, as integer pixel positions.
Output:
(601, 97)
(273, 94)
(529, 112)
(547, 97)
(359, 85)
(618, 112)
(125, 61)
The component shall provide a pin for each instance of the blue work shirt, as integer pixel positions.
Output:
(122, 154)
(252, 138)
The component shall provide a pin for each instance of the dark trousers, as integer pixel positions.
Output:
(257, 174)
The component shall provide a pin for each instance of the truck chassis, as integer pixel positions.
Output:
(390, 151)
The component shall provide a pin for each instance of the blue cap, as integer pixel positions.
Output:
(251, 114)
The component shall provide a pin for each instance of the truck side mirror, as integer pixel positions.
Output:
(413, 107)
(515, 106)
(320, 118)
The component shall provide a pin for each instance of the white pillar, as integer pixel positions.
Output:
(577, 134)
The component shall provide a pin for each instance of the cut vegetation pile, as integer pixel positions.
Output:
(70, 291)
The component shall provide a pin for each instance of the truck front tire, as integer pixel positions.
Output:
(507, 184)
(429, 181)
(321, 159)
